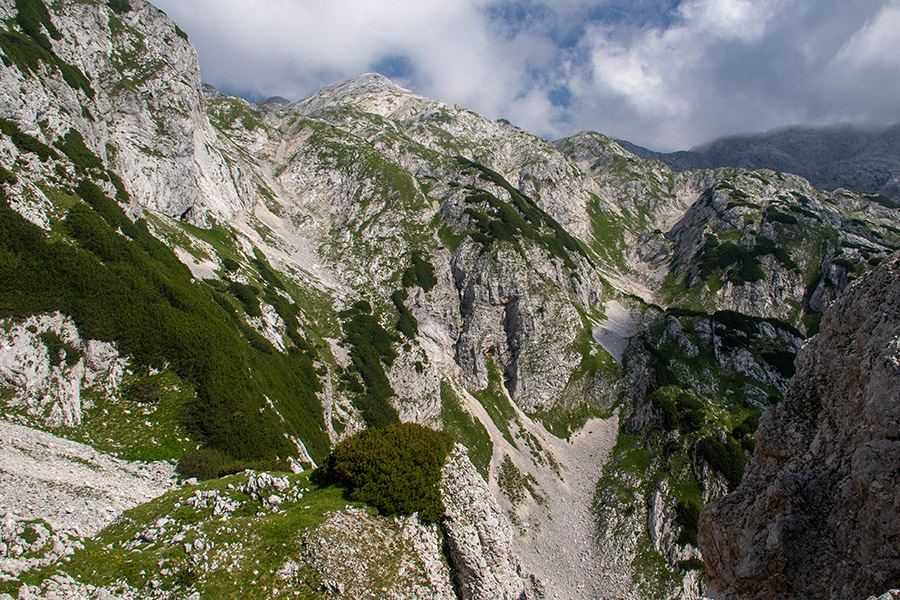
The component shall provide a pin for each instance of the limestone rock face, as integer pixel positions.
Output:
(47, 364)
(816, 515)
(531, 164)
(145, 115)
(477, 537)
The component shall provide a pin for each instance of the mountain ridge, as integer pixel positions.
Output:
(862, 159)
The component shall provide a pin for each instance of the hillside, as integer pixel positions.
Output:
(190, 279)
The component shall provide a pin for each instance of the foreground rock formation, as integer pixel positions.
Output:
(817, 514)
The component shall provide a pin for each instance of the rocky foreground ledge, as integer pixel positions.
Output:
(818, 514)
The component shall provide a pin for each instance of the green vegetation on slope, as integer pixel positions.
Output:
(28, 51)
(371, 349)
(466, 429)
(496, 220)
(130, 288)
(180, 543)
(420, 273)
(73, 146)
(25, 142)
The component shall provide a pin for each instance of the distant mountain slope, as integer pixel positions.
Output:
(862, 160)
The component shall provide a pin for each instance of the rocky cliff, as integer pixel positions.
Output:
(816, 514)
(129, 83)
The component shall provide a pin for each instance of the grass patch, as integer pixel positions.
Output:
(466, 429)
(495, 401)
(144, 422)
(563, 421)
(244, 551)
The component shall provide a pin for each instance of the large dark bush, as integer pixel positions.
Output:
(120, 6)
(396, 469)
(725, 457)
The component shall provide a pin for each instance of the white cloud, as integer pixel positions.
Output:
(874, 44)
(745, 20)
(668, 75)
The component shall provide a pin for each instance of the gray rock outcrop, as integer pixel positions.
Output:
(47, 363)
(816, 515)
(477, 537)
(354, 549)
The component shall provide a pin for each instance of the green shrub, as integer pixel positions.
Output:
(248, 297)
(782, 360)
(143, 391)
(202, 464)
(679, 411)
(424, 272)
(521, 218)
(119, 6)
(406, 324)
(747, 427)
(692, 564)
(28, 53)
(209, 463)
(687, 514)
(883, 201)
(397, 469)
(735, 320)
(31, 15)
(749, 271)
(230, 264)
(766, 246)
(25, 142)
(73, 146)
(775, 216)
(59, 350)
(665, 408)
(714, 257)
(725, 457)
(371, 349)
(7, 176)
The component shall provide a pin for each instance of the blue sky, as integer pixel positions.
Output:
(667, 74)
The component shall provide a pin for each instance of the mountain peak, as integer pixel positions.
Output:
(369, 88)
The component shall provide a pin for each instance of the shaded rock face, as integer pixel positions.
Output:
(817, 514)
